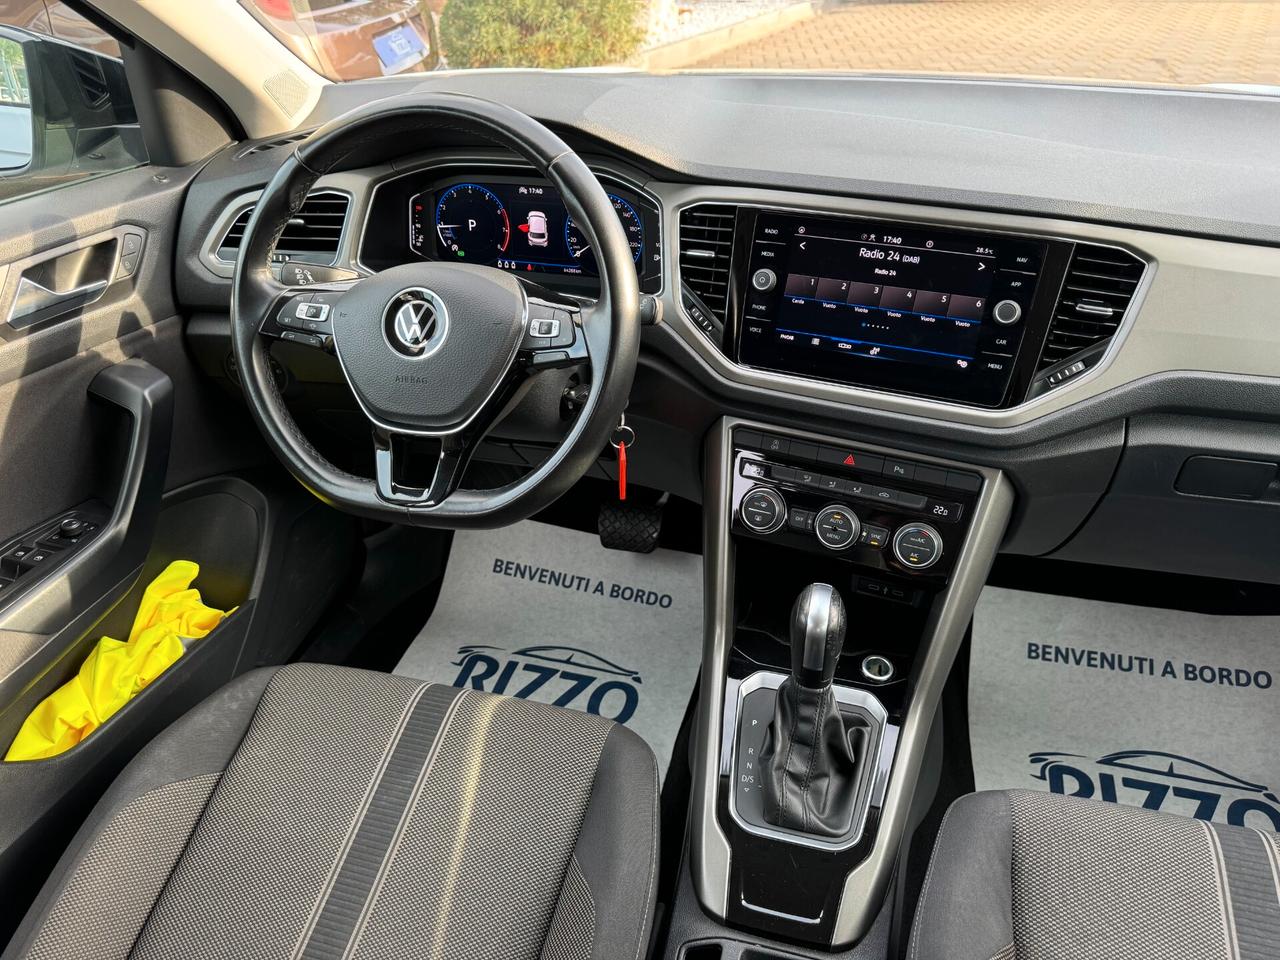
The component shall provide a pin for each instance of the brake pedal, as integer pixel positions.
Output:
(630, 526)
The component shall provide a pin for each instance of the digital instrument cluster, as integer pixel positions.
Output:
(515, 223)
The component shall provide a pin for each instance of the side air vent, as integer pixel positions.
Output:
(312, 234)
(706, 248)
(1098, 288)
(264, 145)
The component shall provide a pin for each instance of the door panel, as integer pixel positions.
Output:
(102, 414)
(47, 431)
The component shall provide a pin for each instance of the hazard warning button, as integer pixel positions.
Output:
(851, 458)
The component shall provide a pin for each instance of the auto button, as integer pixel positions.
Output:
(836, 527)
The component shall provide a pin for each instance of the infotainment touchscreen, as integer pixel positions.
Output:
(896, 306)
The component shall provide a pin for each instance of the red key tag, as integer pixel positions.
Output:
(626, 437)
(622, 471)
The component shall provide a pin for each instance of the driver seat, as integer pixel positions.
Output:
(316, 812)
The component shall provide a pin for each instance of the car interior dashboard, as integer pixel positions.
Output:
(885, 336)
(1065, 351)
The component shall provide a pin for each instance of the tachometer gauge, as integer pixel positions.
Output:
(632, 226)
(471, 223)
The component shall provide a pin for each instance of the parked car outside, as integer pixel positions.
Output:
(354, 39)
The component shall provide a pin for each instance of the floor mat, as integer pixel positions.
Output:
(546, 613)
(1158, 708)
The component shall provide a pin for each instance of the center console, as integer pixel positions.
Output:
(841, 577)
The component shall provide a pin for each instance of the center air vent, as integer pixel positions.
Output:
(1098, 288)
(312, 234)
(706, 249)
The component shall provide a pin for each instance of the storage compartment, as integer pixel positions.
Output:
(1191, 495)
(220, 530)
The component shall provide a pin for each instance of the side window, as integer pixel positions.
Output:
(65, 108)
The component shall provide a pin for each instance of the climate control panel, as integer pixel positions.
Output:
(891, 514)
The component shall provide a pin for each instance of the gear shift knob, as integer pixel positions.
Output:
(817, 635)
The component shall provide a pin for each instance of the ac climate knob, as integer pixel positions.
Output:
(836, 527)
(763, 510)
(917, 545)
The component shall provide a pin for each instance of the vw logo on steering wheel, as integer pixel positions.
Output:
(416, 322)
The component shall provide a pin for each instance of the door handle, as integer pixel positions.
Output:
(63, 281)
(35, 301)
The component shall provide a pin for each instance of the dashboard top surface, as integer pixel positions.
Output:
(1092, 153)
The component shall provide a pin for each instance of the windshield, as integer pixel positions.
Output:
(1177, 42)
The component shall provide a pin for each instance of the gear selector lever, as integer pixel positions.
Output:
(810, 758)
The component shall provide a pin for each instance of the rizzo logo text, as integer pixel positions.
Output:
(576, 678)
(1160, 781)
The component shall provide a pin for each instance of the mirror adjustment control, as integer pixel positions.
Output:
(917, 545)
(763, 509)
(837, 527)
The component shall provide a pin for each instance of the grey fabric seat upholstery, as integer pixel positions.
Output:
(1036, 876)
(323, 812)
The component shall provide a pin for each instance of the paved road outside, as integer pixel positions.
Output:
(1153, 41)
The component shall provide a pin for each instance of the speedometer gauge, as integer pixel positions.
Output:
(470, 221)
(632, 226)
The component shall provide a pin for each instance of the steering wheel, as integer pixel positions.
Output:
(432, 349)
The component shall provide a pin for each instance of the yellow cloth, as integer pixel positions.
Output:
(114, 673)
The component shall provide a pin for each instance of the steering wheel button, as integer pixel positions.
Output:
(304, 339)
(312, 311)
(563, 337)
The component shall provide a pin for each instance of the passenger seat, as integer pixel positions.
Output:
(1037, 876)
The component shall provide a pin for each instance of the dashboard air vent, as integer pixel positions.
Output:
(1099, 285)
(312, 234)
(706, 248)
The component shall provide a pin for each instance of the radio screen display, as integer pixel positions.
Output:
(895, 306)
